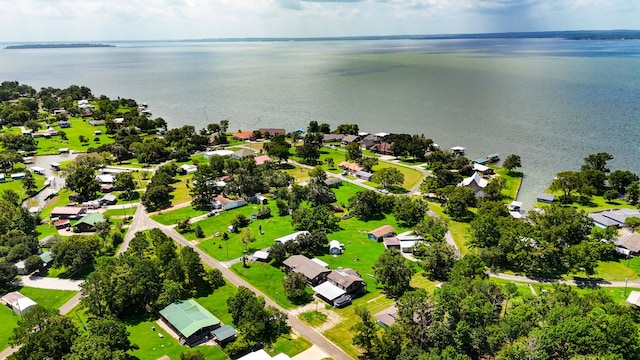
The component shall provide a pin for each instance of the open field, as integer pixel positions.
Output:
(172, 217)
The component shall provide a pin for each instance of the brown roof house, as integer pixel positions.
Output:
(382, 148)
(314, 272)
(272, 131)
(68, 212)
(629, 242)
(349, 280)
(243, 153)
(350, 166)
(380, 233)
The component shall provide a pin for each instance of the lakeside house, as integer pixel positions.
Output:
(272, 131)
(475, 183)
(614, 217)
(332, 137)
(369, 141)
(242, 135)
(191, 322)
(383, 148)
(349, 139)
(380, 233)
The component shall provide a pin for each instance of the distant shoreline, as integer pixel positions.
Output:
(56, 46)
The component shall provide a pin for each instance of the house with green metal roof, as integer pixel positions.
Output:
(192, 322)
(88, 222)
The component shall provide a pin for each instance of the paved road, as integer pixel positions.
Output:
(48, 283)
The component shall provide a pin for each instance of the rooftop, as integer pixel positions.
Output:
(188, 317)
(91, 219)
(305, 266)
(382, 230)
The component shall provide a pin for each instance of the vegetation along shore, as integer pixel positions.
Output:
(317, 243)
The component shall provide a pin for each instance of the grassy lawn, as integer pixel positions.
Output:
(47, 298)
(459, 230)
(272, 228)
(298, 173)
(172, 217)
(45, 230)
(9, 321)
(78, 127)
(634, 264)
(419, 281)
(153, 347)
(412, 177)
(268, 279)
(60, 200)
(345, 192)
(341, 334)
(608, 271)
(289, 345)
(598, 203)
(510, 189)
(16, 185)
(180, 193)
(313, 318)
(128, 211)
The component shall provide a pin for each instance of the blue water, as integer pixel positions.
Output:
(550, 101)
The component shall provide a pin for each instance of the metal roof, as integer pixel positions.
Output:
(329, 291)
(188, 317)
(223, 333)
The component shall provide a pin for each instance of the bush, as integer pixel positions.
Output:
(199, 232)
(264, 212)
(240, 221)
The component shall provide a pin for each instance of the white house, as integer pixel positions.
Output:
(290, 237)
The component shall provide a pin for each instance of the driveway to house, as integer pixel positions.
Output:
(48, 283)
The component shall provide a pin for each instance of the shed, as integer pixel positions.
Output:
(18, 303)
(224, 334)
(381, 233)
(192, 322)
(61, 224)
(105, 178)
(364, 175)
(223, 153)
(261, 255)
(391, 243)
(387, 317)
(333, 182)
(293, 236)
(189, 168)
(545, 198)
(109, 199)
(2, 178)
(629, 242)
(634, 298)
(335, 247)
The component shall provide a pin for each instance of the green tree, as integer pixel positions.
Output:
(43, 334)
(32, 263)
(29, 183)
(365, 205)
(124, 182)
(192, 266)
(468, 268)
(597, 162)
(295, 285)
(82, 180)
(633, 192)
(388, 177)
(438, 260)
(354, 152)
(567, 182)
(458, 202)
(156, 198)
(106, 338)
(317, 218)
(8, 273)
(409, 211)
(309, 153)
(199, 232)
(76, 252)
(432, 229)
(393, 273)
(192, 355)
(512, 162)
(367, 163)
(365, 332)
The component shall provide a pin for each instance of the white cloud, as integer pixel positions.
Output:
(47, 20)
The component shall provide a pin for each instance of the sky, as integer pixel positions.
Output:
(97, 20)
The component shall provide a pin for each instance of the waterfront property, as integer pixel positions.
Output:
(242, 135)
(272, 131)
(192, 322)
(545, 198)
(615, 217)
(475, 183)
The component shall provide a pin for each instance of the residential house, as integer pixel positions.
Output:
(348, 280)
(272, 131)
(263, 355)
(96, 122)
(18, 303)
(380, 233)
(221, 202)
(615, 217)
(242, 135)
(46, 257)
(191, 322)
(223, 153)
(383, 148)
(349, 139)
(68, 212)
(62, 224)
(188, 168)
(105, 178)
(262, 159)
(315, 273)
(387, 317)
(350, 167)
(332, 137)
(243, 153)
(364, 175)
(629, 242)
(109, 199)
(475, 183)
(261, 255)
(391, 242)
(482, 169)
(64, 124)
(369, 141)
(88, 222)
(258, 199)
(290, 237)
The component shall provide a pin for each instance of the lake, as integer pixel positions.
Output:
(551, 101)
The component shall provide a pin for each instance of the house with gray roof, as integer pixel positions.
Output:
(315, 273)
